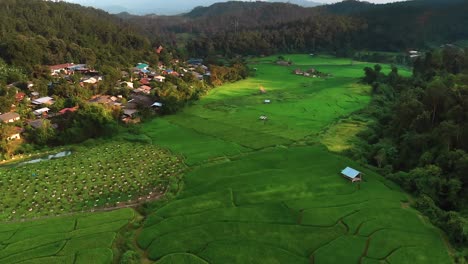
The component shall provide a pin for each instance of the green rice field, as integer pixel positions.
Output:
(251, 190)
(270, 191)
(84, 239)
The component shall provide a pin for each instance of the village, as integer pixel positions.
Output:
(137, 90)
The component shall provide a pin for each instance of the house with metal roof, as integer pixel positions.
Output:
(9, 117)
(142, 66)
(157, 104)
(352, 174)
(41, 111)
(43, 100)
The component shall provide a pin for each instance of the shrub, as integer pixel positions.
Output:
(130, 257)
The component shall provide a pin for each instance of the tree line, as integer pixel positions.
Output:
(420, 137)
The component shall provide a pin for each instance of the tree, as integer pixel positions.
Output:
(434, 97)
(43, 134)
(8, 146)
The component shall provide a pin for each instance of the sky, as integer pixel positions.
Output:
(372, 1)
(170, 7)
(110, 2)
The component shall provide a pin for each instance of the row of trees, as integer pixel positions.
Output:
(420, 139)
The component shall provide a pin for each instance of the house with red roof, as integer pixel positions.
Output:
(19, 96)
(56, 69)
(71, 110)
(144, 81)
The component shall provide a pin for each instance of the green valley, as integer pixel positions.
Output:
(269, 191)
(255, 190)
(273, 131)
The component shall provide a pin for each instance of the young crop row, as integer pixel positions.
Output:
(105, 175)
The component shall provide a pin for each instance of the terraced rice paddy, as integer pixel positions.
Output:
(83, 239)
(270, 192)
(104, 175)
(254, 191)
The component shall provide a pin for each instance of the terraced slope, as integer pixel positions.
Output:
(83, 239)
(270, 192)
(226, 122)
(289, 205)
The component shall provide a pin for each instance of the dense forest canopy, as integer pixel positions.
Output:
(420, 137)
(351, 25)
(34, 32)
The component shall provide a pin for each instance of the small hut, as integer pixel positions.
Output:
(352, 174)
(267, 101)
(298, 72)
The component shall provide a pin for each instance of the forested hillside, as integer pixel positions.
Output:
(420, 137)
(34, 32)
(411, 24)
(265, 28)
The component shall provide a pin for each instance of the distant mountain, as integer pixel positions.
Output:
(114, 9)
(303, 3)
(266, 27)
(259, 11)
(173, 7)
(407, 24)
(348, 7)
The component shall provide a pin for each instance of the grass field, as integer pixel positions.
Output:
(270, 192)
(83, 239)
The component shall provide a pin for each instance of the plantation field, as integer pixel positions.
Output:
(93, 176)
(270, 192)
(83, 239)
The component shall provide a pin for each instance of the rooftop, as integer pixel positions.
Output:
(9, 116)
(350, 172)
(42, 100)
(61, 66)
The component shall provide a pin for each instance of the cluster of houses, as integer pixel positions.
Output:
(90, 76)
(39, 107)
(145, 74)
(140, 97)
(310, 73)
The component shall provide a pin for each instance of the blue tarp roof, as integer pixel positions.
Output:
(350, 172)
(195, 61)
(142, 65)
(77, 66)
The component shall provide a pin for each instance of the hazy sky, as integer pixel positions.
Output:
(168, 6)
(110, 2)
(372, 1)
